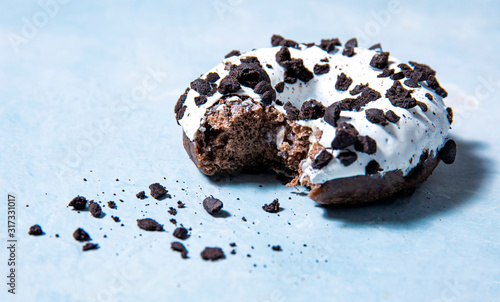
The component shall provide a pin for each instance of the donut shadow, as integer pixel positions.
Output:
(449, 187)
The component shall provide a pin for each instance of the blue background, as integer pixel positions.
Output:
(73, 99)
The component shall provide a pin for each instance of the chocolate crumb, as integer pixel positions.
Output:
(311, 110)
(172, 211)
(448, 153)
(400, 97)
(232, 244)
(391, 116)
(372, 168)
(277, 40)
(112, 204)
(332, 114)
(243, 219)
(232, 53)
(343, 82)
(180, 233)
(180, 102)
(95, 209)
(201, 86)
(366, 144)
(141, 195)
(157, 190)
(276, 248)
(115, 218)
(291, 111)
(212, 77)
(352, 43)
(380, 60)
(358, 89)
(35, 230)
(280, 87)
(434, 84)
(149, 224)
(90, 246)
(376, 116)
(212, 205)
(386, 73)
(322, 160)
(200, 100)
(212, 253)
(229, 84)
(347, 158)
(348, 51)
(398, 76)
(422, 106)
(78, 203)
(233, 252)
(81, 235)
(321, 69)
(449, 114)
(329, 45)
(345, 136)
(273, 207)
(429, 96)
(180, 204)
(179, 247)
(377, 47)
(173, 221)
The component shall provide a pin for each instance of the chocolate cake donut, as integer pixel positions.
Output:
(352, 124)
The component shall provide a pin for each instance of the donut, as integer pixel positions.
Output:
(352, 124)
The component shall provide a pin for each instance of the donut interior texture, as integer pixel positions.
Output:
(353, 124)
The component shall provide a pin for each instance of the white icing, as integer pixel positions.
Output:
(399, 145)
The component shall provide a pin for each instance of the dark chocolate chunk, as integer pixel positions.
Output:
(149, 224)
(81, 235)
(141, 195)
(322, 160)
(262, 87)
(249, 74)
(157, 190)
(448, 153)
(345, 136)
(377, 47)
(212, 205)
(95, 209)
(78, 203)
(352, 42)
(35, 230)
(291, 111)
(412, 80)
(276, 248)
(358, 89)
(273, 207)
(332, 114)
(200, 100)
(423, 70)
(228, 84)
(115, 218)
(347, 158)
(280, 87)
(268, 97)
(373, 167)
(201, 86)
(232, 53)
(212, 253)
(429, 96)
(391, 116)
(398, 76)
(173, 221)
(172, 211)
(369, 95)
(386, 73)
(295, 69)
(90, 246)
(180, 114)
(283, 55)
(405, 69)
(254, 60)
(434, 84)
(181, 205)
(311, 110)
(380, 60)
(376, 116)
(321, 69)
(348, 51)
(400, 97)
(179, 247)
(212, 77)
(112, 204)
(350, 104)
(366, 144)
(277, 40)
(422, 106)
(449, 115)
(343, 82)
(180, 101)
(329, 45)
(181, 233)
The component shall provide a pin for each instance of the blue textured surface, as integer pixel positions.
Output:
(74, 98)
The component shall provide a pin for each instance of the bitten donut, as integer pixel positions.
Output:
(352, 124)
